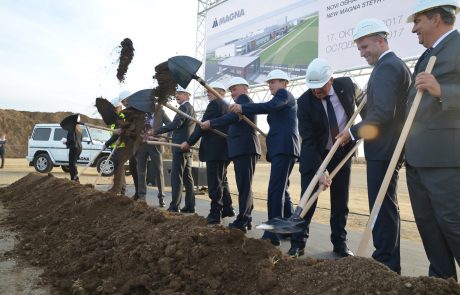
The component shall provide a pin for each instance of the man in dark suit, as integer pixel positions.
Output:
(433, 144)
(213, 151)
(243, 150)
(181, 170)
(323, 111)
(380, 128)
(282, 144)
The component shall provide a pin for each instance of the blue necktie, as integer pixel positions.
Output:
(333, 125)
(422, 57)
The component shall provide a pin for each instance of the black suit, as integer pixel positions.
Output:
(243, 150)
(314, 131)
(387, 90)
(213, 151)
(181, 170)
(282, 151)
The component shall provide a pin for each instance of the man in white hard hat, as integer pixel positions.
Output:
(243, 150)
(181, 170)
(282, 144)
(323, 111)
(380, 128)
(432, 148)
(213, 151)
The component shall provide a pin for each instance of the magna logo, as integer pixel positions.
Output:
(227, 18)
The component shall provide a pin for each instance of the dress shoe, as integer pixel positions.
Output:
(236, 225)
(211, 219)
(228, 212)
(135, 197)
(173, 210)
(142, 200)
(272, 241)
(187, 210)
(343, 251)
(295, 252)
(161, 201)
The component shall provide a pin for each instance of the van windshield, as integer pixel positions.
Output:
(99, 135)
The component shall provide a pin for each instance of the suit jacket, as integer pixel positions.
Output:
(434, 139)
(213, 147)
(283, 136)
(180, 126)
(242, 138)
(314, 124)
(387, 91)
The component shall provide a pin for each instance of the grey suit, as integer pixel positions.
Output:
(155, 154)
(433, 160)
(387, 90)
(181, 170)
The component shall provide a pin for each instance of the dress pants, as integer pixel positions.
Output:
(143, 153)
(215, 173)
(2, 156)
(74, 154)
(386, 231)
(435, 199)
(339, 195)
(279, 201)
(181, 176)
(244, 167)
(133, 171)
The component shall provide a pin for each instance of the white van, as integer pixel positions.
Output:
(46, 150)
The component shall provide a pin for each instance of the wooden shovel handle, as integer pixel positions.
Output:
(154, 142)
(242, 117)
(362, 248)
(192, 118)
(315, 196)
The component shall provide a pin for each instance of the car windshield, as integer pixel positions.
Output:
(99, 135)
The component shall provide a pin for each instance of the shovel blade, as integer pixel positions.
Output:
(282, 225)
(141, 100)
(183, 69)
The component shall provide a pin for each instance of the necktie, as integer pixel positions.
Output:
(333, 125)
(422, 57)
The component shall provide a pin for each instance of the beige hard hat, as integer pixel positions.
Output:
(180, 89)
(217, 85)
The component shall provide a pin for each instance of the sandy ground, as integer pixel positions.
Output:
(359, 211)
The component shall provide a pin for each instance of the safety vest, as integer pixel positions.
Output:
(122, 144)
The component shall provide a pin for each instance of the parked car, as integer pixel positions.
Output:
(46, 150)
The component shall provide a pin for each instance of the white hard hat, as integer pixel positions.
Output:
(116, 102)
(277, 74)
(318, 73)
(237, 81)
(124, 94)
(369, 26)
(423, 5)
(217, 85)
(180, 89)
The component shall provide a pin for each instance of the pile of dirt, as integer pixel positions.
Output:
(18, 126)
(91, 242)
(126, 56)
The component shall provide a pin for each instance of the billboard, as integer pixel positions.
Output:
(250, 38)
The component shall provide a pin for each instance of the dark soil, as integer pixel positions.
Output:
(126, 56)
(166, 83)
(91, 242)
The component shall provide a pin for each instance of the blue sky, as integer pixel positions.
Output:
(59, 55)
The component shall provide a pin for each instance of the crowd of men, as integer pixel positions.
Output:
(305, 129)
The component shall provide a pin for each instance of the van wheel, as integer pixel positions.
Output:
(109, 169)
(42, 163)
(66, 169)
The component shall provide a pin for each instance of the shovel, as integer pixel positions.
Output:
(281, 229)
(154, 142)
(106, 163)
(391, 167)
(290, 225)
(91, 162)
(184, 68)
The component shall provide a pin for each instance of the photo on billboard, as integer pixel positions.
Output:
(250, 38)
